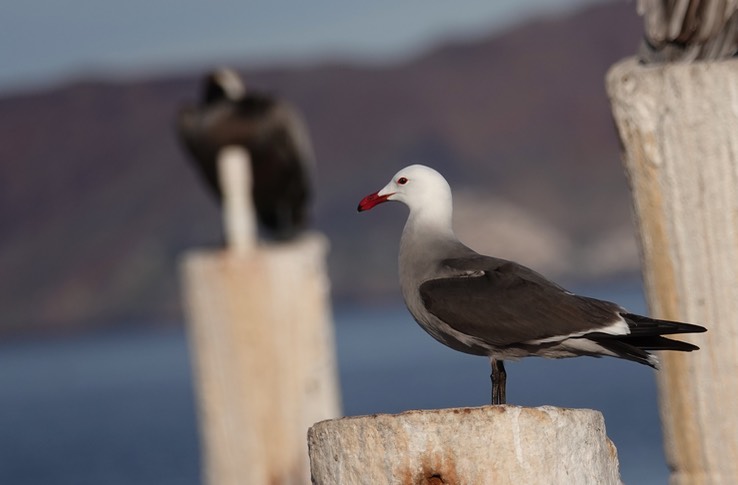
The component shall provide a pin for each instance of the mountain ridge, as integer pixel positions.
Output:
(98, 201)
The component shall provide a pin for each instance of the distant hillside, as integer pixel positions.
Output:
(98, 201)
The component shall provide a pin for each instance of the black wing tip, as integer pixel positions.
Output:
(639, 348)
(659, 326)
(661, 343)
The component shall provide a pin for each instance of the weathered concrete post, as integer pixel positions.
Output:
(500, 445)
(261, 336)
(679, 128)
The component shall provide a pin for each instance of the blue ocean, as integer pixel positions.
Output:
(117, 407)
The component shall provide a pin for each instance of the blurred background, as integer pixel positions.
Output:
(98, 201)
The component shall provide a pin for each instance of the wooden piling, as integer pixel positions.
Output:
(679, 129)
(497, 445)
(261, 338)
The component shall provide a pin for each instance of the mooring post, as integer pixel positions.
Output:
(261, 337)
(500, 445)
(678, 124)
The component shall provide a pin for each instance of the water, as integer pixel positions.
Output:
(113, 408)
(117, 407)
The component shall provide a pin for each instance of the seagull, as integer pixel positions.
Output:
(273, 133)
(500, 309)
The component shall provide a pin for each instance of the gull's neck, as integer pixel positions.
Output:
(428, 230)
(433, 222)
(428, 239)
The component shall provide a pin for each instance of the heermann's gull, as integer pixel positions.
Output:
(500, 309)
(273, 133)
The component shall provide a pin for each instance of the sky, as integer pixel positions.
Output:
(43, 42)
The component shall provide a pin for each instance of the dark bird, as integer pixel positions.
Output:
(275, 136)
(488, 306)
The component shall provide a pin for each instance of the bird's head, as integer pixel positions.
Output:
(417, 186)
(223, 84)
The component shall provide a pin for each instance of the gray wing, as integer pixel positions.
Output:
(504, 303)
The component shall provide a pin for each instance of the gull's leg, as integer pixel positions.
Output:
(499, 380)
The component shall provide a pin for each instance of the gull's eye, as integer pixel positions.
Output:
(401, 181)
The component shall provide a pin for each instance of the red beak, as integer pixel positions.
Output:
(371, 200)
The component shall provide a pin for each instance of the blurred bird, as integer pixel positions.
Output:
(275, 136)
(488, 306)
